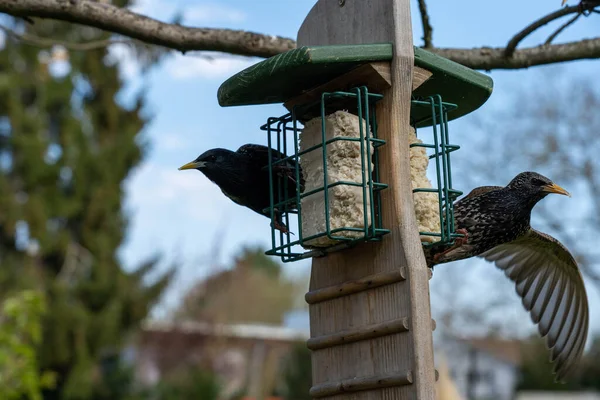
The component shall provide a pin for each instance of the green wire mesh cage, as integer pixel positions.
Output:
(441, 149)
(361, 103)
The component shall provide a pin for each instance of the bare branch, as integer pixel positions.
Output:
(44, 42)
(514, 42)
(427, 28)
(561, 28)
(493, 58)
(127, 23)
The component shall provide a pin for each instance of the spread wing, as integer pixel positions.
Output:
(551, 287)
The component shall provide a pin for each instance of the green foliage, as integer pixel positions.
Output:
(536, 369)
(297, 376)
(256, 259)
(192, 383)
(590, 369)
(252, 290)
(20, 334)
(66, 147)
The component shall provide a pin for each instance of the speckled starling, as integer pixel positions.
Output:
(243, 176)
(495, 223)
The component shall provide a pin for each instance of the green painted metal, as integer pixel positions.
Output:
(360, 101)
(284, 76)
(438, 111)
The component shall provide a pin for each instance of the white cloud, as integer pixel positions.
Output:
(185, 67)
(210, 13)
(172, 142)
(157, 188)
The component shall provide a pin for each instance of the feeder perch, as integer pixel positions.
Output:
(357, 92)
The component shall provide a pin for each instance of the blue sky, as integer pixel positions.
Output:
(182, 213)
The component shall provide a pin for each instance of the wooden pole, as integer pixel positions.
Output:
(369, 306)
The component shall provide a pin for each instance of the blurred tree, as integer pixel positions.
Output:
(590, 366)
(252, 290)
(66, 146)
(297, 375)
(20, 334)
(536, 369)
(190, 383)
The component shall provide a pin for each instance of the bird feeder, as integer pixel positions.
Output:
(357, 91)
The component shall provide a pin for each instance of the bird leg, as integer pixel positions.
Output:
(288, 171)
(281, 227)
(458, 242)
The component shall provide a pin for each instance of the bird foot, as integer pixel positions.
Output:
(287, 171)
(281, 227)
(459, 241)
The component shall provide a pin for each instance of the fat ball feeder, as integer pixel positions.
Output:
(357, 92)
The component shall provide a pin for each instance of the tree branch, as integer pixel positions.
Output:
(45, 42)
(561, 28)
(427, 28)
(127, 23)
(514, 42)
(487, 58)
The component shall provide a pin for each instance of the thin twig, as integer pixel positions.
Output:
(427, 28)
(514, 42)
(560, 29)
(43, 42)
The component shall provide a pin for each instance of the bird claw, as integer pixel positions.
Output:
(281, 227)
(459, 241)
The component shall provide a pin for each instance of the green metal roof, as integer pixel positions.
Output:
(284, 76)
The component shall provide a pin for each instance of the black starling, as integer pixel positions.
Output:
(495, 222)
(243, 176)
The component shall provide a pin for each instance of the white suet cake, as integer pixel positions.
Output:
(346, 207)
(426, 204)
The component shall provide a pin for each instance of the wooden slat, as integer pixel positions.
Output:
(348, 386)
(355, 286)
(361, 333)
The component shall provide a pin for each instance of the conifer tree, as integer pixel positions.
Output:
(66, 146)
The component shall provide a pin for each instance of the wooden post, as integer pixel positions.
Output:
(369, 306)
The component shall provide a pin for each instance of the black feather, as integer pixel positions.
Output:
(243, 176)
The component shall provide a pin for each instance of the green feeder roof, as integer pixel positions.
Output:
(286, 75)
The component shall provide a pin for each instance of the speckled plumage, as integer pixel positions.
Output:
(243, 176)
(496, 221)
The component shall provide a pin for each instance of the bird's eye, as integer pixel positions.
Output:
(212, 158)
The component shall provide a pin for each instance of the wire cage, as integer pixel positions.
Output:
(430, 111)
(357, 101)
(434, 112)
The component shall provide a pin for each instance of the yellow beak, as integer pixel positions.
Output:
(554, 188)
(192, 165)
